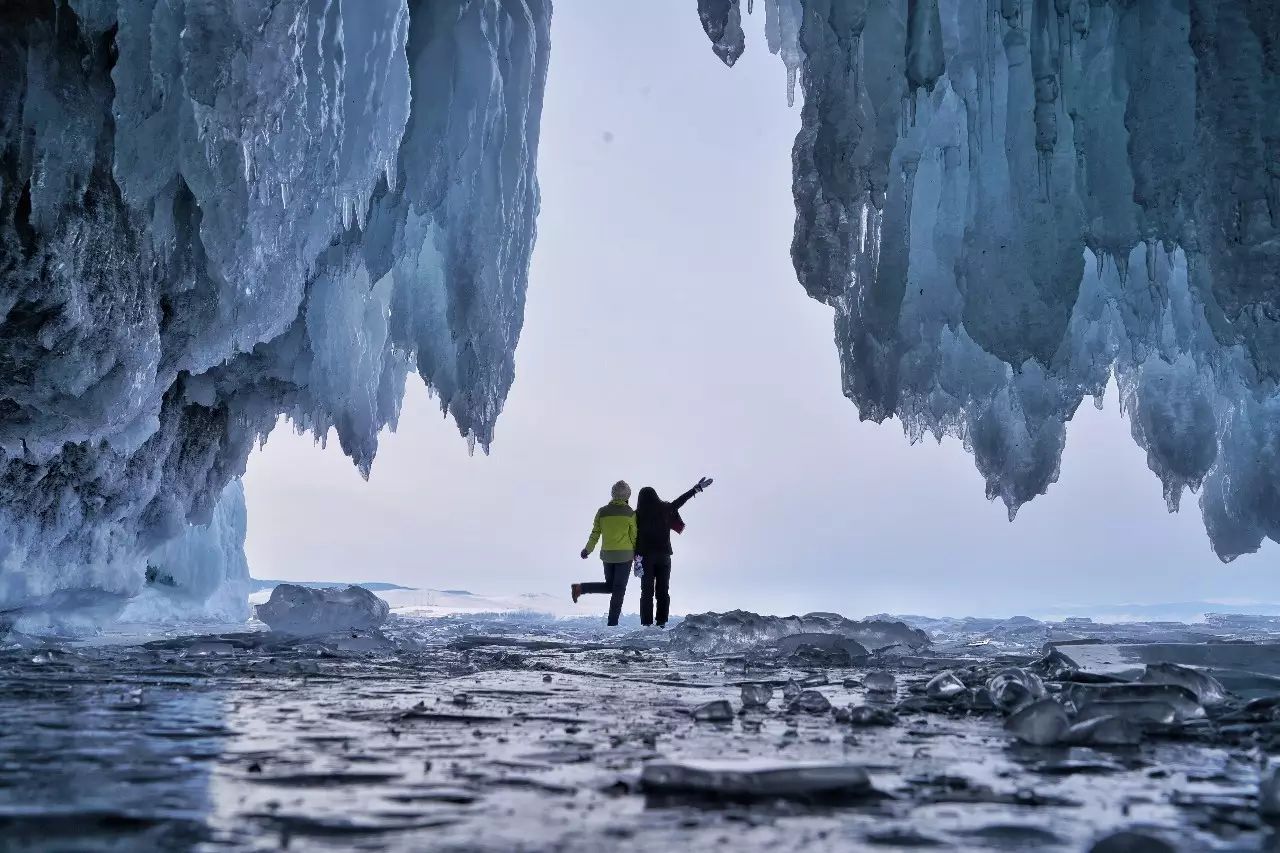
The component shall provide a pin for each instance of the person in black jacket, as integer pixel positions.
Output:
(655, 519)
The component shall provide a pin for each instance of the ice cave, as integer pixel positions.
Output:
(211, 218)
(223, 217)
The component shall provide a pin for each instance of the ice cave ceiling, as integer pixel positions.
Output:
(212, 214)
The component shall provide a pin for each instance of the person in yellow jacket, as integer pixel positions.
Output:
(615, 530)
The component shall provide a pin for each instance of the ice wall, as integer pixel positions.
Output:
(213, 214)
(1007, 202)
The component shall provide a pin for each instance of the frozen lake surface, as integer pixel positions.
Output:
(502, 733)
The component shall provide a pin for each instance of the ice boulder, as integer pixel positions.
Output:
(297, 609)
(738, 630)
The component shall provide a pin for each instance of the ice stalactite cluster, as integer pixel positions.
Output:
(1009, 202)
(215, 214)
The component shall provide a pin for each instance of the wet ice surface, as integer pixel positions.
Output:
(500, 734)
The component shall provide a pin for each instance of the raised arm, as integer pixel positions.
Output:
(684, 499)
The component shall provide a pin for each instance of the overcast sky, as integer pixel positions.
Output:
(662, 256)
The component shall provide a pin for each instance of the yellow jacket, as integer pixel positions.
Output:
(616, 524)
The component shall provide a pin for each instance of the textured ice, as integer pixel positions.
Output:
(1040, 723)
(1012, 688)
(1141, 711)
(1184, 702)
(944, 685)
(297, 609)
(1103, 731)
(193, 740)
(879, 681)
(756, 695)
(752, 780)
(1207, 689)
(1009, 204)
(718, 711)
(213, 215)
(739, 630)
(810, 702)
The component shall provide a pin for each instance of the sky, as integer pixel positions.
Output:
(663, 257)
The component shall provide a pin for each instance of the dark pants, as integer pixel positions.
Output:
(657, 573)
(615, 585)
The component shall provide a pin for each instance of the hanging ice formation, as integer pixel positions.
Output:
(213, 214)
(1006, 202)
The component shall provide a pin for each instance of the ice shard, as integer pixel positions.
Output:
(1007, 204)
(213, 215)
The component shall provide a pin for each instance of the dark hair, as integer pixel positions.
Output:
(648, 500)
(649, 509)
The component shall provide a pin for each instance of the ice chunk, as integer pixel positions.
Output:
(1182, 700)
(1104, 731)
(843, 650)
(810, 702)
(702, 634)
(297, 609)
(879, 681)
(945, 685)
(1041, 723)
(756, 695)
(1207, 689)
(866, 715)
(755, 780)
(1012, 688)
(1054, 664)
(717, 711)
(1137, 710)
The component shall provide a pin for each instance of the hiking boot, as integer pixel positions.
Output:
(575, 590)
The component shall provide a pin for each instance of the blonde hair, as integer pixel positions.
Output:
(621, 491)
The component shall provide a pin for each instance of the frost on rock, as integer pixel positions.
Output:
(1007, 204)
(212, 215)
(294, 609)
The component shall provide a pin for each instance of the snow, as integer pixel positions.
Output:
(213, 216)
(1007, 204)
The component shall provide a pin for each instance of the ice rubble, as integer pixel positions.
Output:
(215, 214)
(1008, 202)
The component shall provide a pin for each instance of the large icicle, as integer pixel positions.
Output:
(215, 214)
(1008, 203)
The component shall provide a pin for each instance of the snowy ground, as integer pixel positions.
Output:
(522, 734)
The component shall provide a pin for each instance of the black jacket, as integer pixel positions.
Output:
(653, 531)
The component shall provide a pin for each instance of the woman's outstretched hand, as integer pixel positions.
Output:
(585, 553)
(703, 483)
